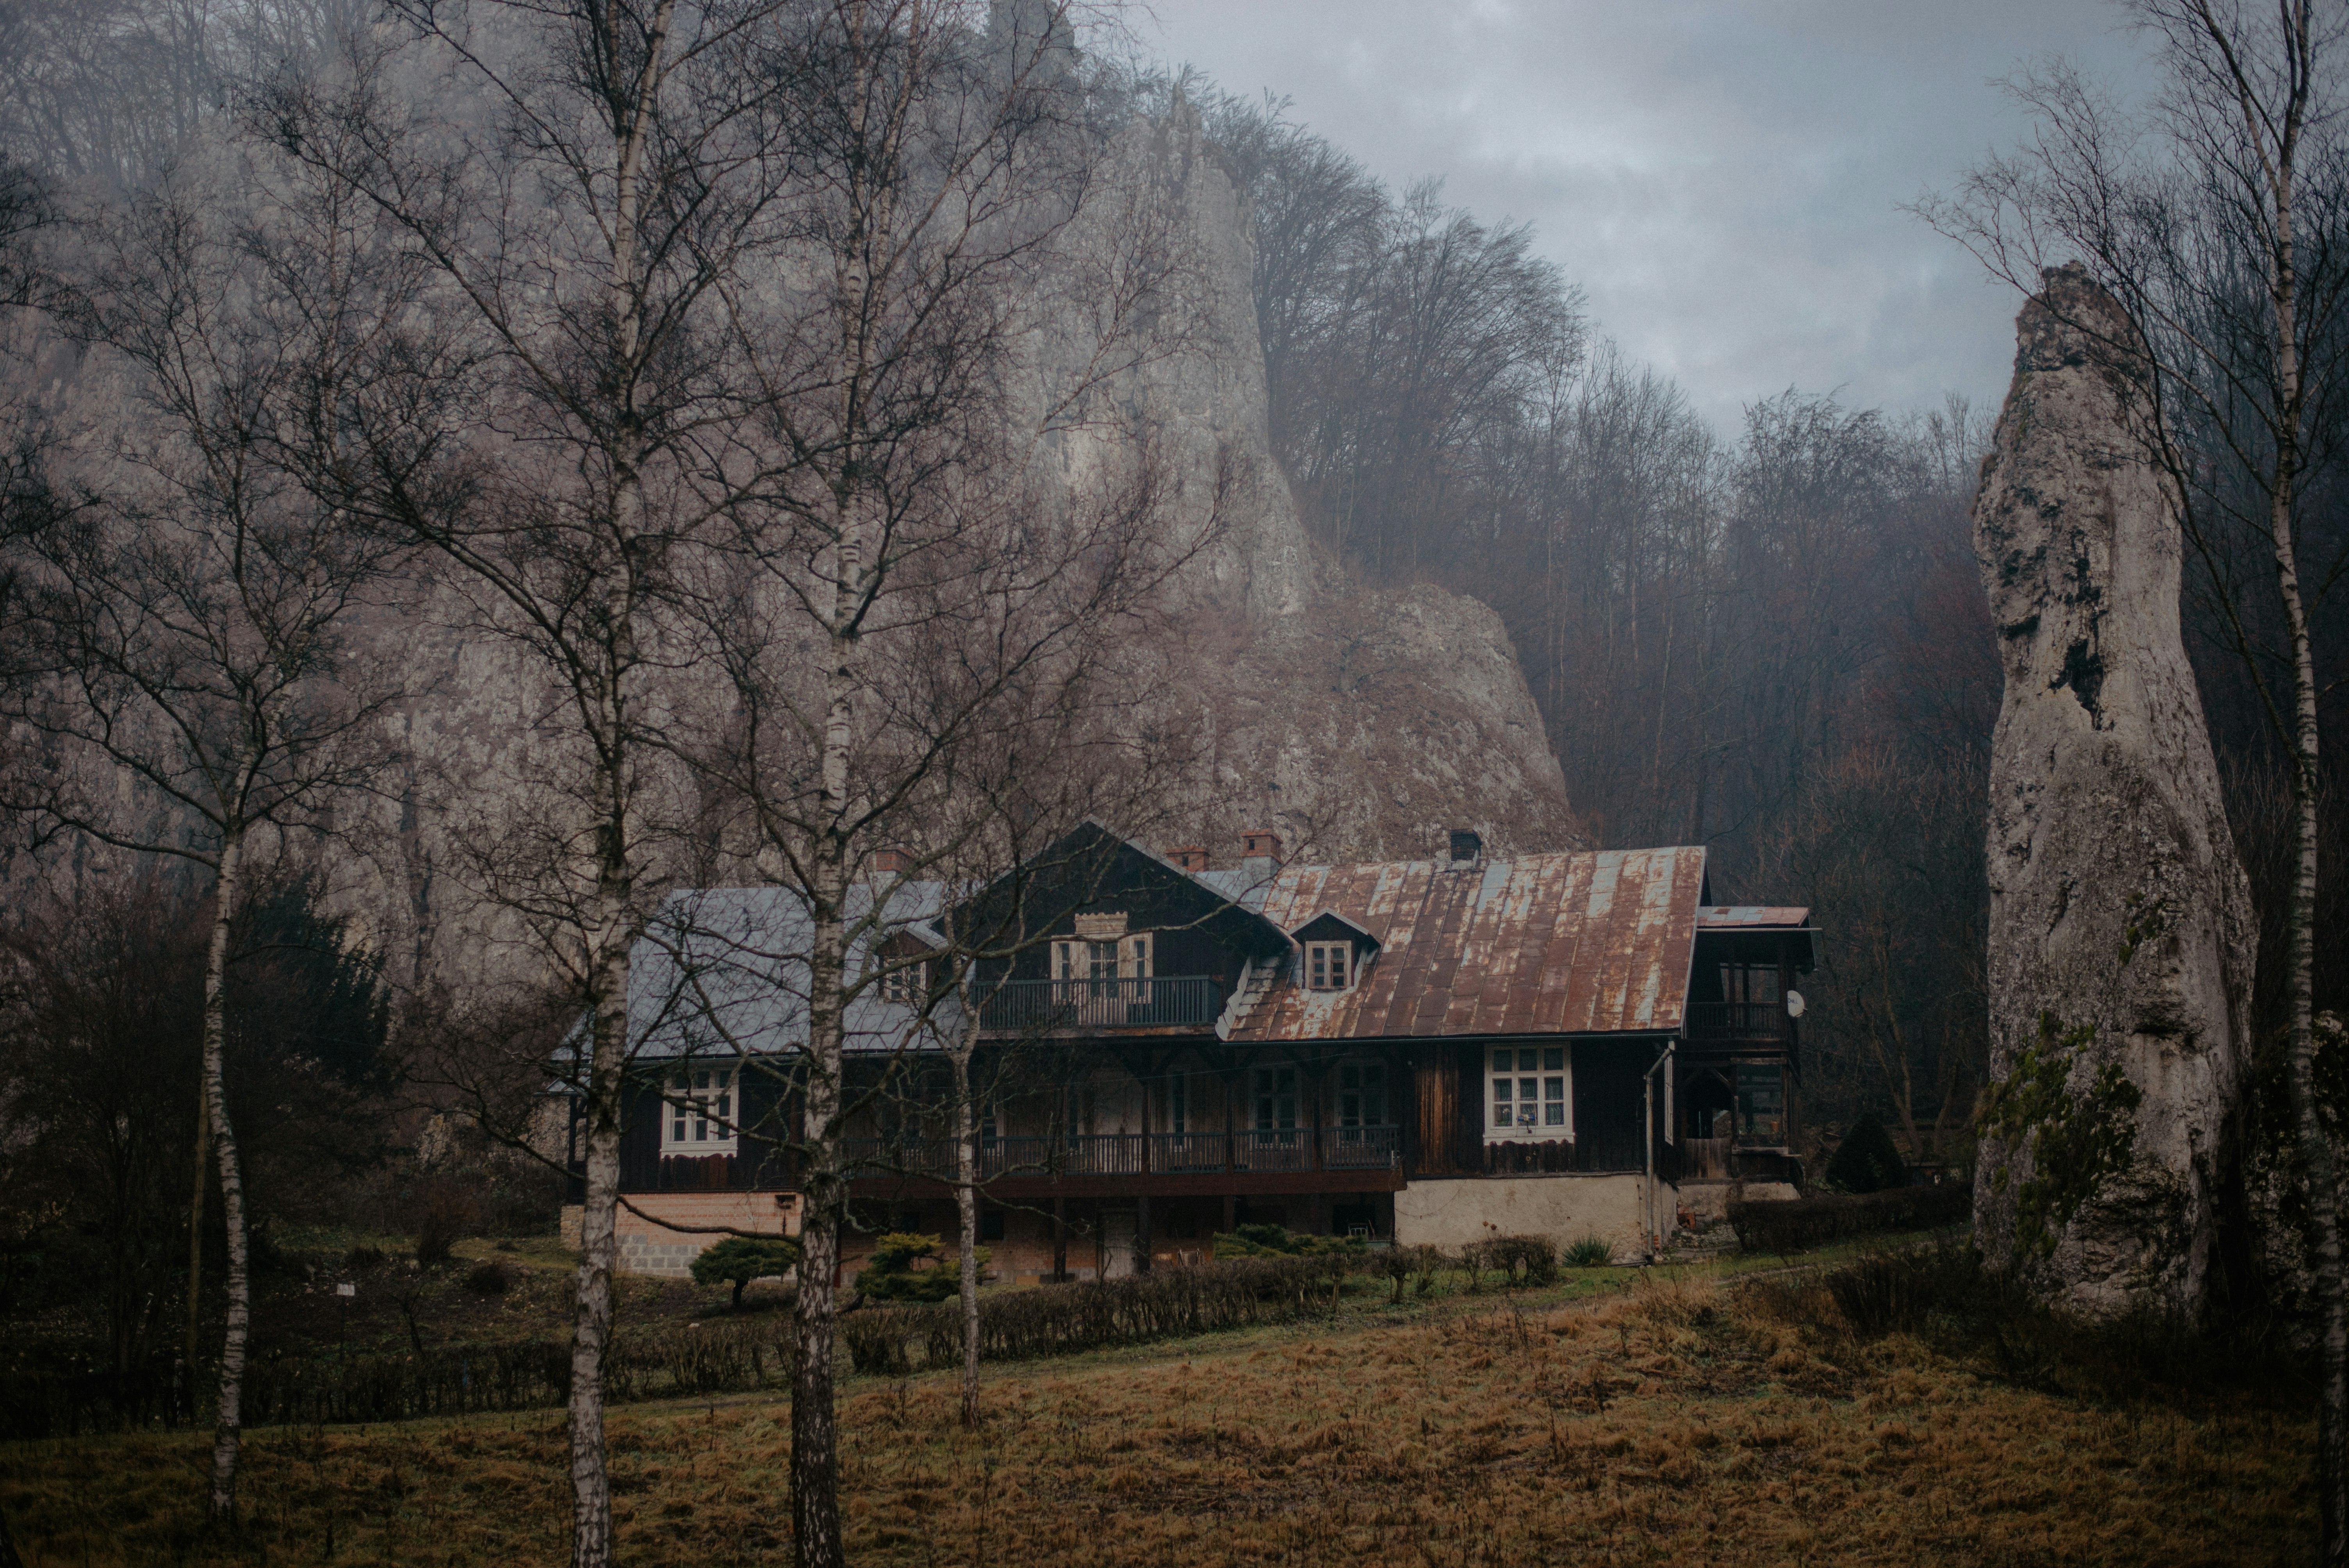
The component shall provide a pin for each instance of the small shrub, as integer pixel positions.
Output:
(444, 1217)
(363, 1258)
(894, 1270)
(741, 1259)
(490, 1278)
(1589, 1253)
(1867, 1160)
(1402, 1265)
(1279, 1241)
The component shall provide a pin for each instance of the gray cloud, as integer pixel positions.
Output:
(1724, 179)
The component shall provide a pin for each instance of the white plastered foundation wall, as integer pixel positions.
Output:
(647, 1246)
(1450, 1214)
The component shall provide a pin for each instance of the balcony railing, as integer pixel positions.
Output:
(1738, 1021)
(1274, 1152)
(1174, 1001)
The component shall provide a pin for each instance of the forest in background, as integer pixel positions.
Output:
(1773, 642)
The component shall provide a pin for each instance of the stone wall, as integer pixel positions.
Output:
(1564, 1208)
(650, 1247)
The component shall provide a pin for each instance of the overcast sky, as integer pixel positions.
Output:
(1722, 176)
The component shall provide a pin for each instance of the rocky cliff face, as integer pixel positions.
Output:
(1358, 723)
(2121, 941)
(1355, 723)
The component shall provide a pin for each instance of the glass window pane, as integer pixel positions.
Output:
(1553, 1089)
(1554, 1059)
(1503, 1061)
(1554, 1113)
(1501, 1087)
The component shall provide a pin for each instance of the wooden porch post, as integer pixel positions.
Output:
(1142, 1234)
(1060, 1240)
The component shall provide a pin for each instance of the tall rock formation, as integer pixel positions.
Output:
(2121, 937)
(1358, 722)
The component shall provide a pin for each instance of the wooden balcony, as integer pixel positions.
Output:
(1342, 1158)
(1186, 1002)
(1732, 1023)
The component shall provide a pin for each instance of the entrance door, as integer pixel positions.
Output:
(1117, 1245)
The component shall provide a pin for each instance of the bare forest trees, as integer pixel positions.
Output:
(2216, 217)
(1728, 639)
(182, 642)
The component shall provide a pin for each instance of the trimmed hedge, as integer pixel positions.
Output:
(731, 1356)
(1793, 1226)
(1060, 1320)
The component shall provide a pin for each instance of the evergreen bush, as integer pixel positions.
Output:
(1867, 1160)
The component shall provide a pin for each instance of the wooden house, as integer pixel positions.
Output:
(1576, 1044)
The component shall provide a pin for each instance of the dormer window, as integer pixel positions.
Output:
(907, 984)
(1332, 952)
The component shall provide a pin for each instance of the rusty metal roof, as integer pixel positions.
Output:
(1544, 944)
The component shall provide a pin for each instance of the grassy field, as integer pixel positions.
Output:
(1676, 1419)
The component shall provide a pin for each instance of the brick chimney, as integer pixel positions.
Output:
(1467, 849)
(1259, 853)
(1190, 857)
(892, 862)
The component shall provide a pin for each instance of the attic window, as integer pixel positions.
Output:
(1328, 966)
(907, 984)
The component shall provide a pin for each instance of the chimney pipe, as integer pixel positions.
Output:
(1467, 848)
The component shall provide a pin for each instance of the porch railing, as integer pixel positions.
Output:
(1175, 1001)
(1269, 1151)
(1737, 1021)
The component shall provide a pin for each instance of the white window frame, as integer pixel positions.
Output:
(701, 1103)
(1551, 1102)
(1084, 961)
(907, 984)
(1330, 966)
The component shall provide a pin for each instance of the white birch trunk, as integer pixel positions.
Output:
(967, 1215)
(227, 1430)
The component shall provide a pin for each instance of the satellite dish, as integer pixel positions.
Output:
(1794, 1003)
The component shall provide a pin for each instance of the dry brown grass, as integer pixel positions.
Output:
(1670, 1424)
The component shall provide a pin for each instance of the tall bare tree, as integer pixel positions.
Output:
(606, 210)
(981, 270)
(184, 650)
(2218, 217)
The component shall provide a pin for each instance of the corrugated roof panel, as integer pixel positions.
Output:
(1575, 943)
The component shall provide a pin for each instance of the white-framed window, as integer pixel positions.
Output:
(1528, 1092)
(697, 1110)
(909, 984)
(1362, 1094)
(1099, 962)
(1328, 966)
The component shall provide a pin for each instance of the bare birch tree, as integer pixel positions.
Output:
(184, 656)
(603, 210)
(881, 606)
(2218, 218)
